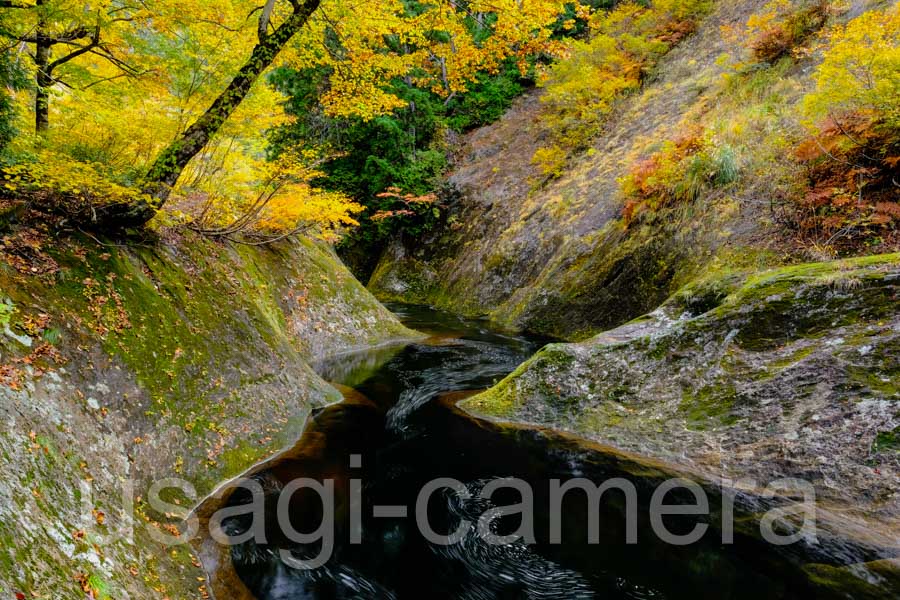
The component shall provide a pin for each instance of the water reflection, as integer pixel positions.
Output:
(402, 422)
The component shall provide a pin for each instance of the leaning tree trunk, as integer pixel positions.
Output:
(171, 162)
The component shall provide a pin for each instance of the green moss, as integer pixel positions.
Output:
(804, 301)
(834, 582)
(886, 385)
(887, 441)
(705, 294)
(601, 419)
(498, 402)
(195, 325)
(823, 272)
(417, 286)
(792, 358)
(554, 356)
(99, 586)
(710, 406)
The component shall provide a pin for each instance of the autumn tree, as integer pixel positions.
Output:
(860, 72)
(434, 42)
(194, 64)
(57, 32)
(171, 162)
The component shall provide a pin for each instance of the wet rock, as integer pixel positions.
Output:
(185, 359)
(788, 373)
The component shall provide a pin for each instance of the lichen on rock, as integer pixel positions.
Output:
(789, 372)
(182, 358)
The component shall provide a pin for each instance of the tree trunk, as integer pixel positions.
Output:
(171, 162)
(43, 81)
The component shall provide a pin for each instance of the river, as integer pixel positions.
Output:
(399, 429)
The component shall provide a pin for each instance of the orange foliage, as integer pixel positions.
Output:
(408, 200)
(852, 190)
(781, 27)
(649, 183)
(672, 33)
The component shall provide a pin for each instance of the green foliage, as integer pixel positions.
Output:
(887, 441)
(487, 99)
(402, 151)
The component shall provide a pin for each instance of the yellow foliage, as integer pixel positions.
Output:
(321, 212)
(551, 160)
(581, 90)
(780, 28)
(82, 182)
(159, 65)
(242, 194)
(435, 47)
(861, 70)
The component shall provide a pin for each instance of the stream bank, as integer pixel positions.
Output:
(785, 373)
(174, 358)
(400, 420)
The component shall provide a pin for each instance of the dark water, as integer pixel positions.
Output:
(403, 424)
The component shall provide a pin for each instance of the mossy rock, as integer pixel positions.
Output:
(182, 358)
(787, 372)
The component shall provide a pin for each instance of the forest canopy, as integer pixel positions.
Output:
(120, 105)
(270, 117)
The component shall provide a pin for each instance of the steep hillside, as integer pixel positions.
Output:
(711, 330)
(125, 365)
(555, 255)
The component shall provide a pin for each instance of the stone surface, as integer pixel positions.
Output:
(184, 358)
(787, 373)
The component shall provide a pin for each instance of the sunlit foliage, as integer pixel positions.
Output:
(621, 47)
(115, 82)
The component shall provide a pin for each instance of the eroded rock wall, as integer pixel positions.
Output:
(185, 359)
(555, 256)
(787, 373)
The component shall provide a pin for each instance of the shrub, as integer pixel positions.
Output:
(551, 161)
(851, 193)
(853, 151)
(680, 172)
(782, 26)
(623, 44)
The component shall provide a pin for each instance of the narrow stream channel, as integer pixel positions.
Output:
(399, 418)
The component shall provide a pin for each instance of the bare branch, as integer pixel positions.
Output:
(65, 38)
(95, 42)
